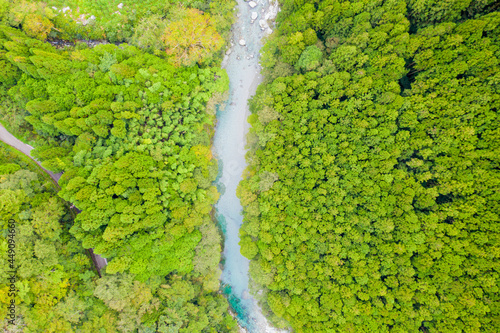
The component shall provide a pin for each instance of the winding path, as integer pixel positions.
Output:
(11, 140)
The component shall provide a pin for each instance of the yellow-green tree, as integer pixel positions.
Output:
(192, 39)
(37, 26)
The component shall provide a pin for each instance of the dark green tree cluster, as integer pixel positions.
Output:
(371, 198)
(426, 12)
(132, 135)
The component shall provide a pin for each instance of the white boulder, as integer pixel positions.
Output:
(264, 26)
(252, 4)
(254, 15)
(272, 12)
(242, 42)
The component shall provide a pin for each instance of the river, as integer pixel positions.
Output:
(243, 68)
(242, 65)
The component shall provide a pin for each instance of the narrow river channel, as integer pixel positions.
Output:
(243, 68)
(242, 65)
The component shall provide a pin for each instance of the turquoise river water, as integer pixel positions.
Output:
(243, 68)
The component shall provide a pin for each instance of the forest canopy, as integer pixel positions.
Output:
(130, 128)
(371, 199)
(371, 196)
(140, 22)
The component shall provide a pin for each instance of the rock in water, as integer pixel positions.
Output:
(252, 4)
(254, 15)
(242, 42)
(263, 24)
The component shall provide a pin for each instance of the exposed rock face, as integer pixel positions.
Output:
(272, 12)
(269, 15)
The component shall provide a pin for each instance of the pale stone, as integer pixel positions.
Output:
(263, 24)
(252, 4)
(272, 12)
(254, 15)
(242, 42)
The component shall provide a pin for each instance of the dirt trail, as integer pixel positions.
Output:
(11, 140)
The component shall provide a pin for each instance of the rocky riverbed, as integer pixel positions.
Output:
(242, 65)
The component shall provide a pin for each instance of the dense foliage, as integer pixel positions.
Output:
(140, 22)
(193, 38)
(131, 133)
(425, 12)
(371, 200)
(54, 276)
(57, 289)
